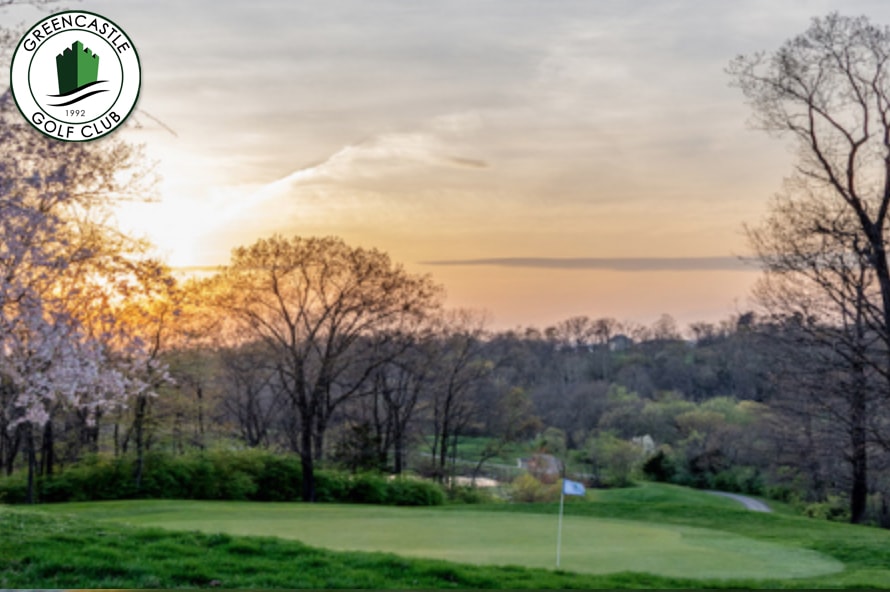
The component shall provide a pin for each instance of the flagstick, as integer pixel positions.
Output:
(562, 497)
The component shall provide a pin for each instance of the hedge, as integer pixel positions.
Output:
(250, 475)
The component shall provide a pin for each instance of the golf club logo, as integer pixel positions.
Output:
(75, 76)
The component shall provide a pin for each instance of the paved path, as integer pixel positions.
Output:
(750, 503)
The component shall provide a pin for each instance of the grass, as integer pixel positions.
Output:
(472, 447)
(864, 551)
(590, 545)
(671, 532)
(47, 550)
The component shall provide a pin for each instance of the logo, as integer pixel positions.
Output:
(75, 76)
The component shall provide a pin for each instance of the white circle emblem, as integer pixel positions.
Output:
(75, 76)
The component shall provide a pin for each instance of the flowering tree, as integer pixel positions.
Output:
(63, 273)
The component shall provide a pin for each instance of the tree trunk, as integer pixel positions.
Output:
(397, 438)
(32, 462)
(307, 460)
(199, 393)
(89, 434)
(443, 453)
(318, 438)
(139, 426)
(47, 457)
(14, 443)
(453, 470)
(859, 457)
(7, 448)
(117, 439)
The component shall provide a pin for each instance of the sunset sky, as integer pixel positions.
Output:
(517, 150)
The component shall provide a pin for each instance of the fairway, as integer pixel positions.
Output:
(589, 545)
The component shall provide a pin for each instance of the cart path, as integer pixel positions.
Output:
(749, 502)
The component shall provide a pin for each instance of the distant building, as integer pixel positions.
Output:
(620, 343)
(541, 465)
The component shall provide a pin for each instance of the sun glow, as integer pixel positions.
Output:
(195, 203)
(163, 223)
(177, 223)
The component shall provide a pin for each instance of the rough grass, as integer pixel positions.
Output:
(52, 550)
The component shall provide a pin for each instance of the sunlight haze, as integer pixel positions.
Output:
(468, 131)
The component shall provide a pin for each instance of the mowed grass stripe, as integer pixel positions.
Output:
(590, 545)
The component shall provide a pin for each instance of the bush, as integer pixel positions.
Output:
(248, 475)
(14, 490)
(470, 495)
(331, 486)
(165, 476)
(368, 489)
(833, 509)
(279, 480)
(783, 493)
(414, 492)
(740, 480)
(371, 488)
(526, 488)
(613, 459)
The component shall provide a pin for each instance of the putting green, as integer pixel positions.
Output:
(589, 545)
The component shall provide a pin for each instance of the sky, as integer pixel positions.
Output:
(541, 159)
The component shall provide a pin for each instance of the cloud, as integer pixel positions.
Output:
(472, 163)
(411, 154)
(610, 264)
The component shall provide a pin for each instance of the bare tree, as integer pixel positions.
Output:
(325, 312)
(251, 394)
(398, 389)
(829, 90)
(824, 243)
(459, 365)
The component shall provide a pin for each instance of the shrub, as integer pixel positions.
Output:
(165, 476)
(613, 459)
(526, 488)
(367, 489)
(279, 480)
(97, 478)
(13, 490)
(833, 509)
(238, 486)
(470, 495)
(414, 492)
(331, 486)
(231, 475)
(782, 493)
(740, 480)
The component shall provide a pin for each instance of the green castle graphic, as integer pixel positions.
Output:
(76, 67)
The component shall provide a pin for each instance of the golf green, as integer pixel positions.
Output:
(590, 545)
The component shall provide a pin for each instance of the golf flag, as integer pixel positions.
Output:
(569, 487)
(572, 487)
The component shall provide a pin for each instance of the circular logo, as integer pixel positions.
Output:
(75, 76)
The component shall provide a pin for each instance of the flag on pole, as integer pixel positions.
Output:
(568, 488)
(572, 487)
